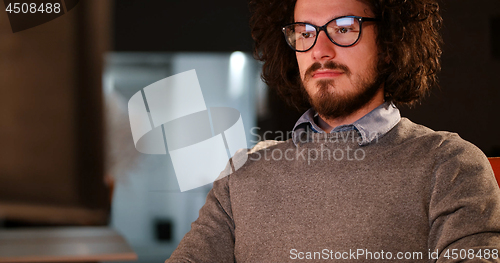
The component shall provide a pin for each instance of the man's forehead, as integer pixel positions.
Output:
(315, 11)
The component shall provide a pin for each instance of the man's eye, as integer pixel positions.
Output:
(306, 34)
(343, 30)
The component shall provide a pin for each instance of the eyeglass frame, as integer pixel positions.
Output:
(323, 28)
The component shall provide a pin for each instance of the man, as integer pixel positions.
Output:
(356, 182)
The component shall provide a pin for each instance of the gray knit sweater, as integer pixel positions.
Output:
(413, 195)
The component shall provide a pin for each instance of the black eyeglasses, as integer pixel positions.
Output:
(343, 31)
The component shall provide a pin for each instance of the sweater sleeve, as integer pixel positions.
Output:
(211, 238)
(464, 209)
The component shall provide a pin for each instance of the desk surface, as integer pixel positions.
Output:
(63, 244)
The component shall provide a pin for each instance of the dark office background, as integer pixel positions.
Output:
(467, 103)
(53, 134)
(52, 154)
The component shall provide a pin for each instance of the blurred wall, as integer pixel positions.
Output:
(51, 161)
(177, 25)
(469, 99)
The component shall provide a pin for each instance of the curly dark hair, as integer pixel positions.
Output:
(408, 39)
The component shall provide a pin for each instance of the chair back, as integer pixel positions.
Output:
(495, 164)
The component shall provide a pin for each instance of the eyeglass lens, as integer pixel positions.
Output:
(343, 31)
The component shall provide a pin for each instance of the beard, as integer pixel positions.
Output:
(330, 103)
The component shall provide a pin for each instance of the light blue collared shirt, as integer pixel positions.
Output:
(372, 126)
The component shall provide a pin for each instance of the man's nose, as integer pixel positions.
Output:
(324, 49)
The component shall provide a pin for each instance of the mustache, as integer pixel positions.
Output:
(328, 65)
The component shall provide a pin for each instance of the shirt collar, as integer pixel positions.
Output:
(371, 127)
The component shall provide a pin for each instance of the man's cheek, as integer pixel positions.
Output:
(302, 68)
